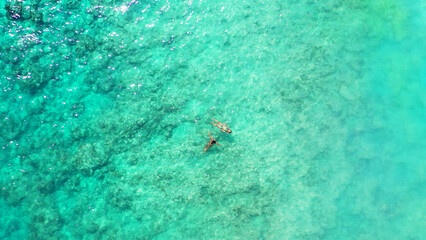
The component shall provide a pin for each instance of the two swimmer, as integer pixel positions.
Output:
(223, 128)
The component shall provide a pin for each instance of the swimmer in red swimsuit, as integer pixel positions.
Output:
(222, 127)
(209, 144)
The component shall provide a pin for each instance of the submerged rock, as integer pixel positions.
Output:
(72, 4)
(17, 11)
(14, 11)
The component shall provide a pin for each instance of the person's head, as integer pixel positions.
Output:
(229, 130)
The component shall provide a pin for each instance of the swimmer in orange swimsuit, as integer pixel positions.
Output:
(222, 127)
(210, 144)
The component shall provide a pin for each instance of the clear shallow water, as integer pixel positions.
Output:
(105, 110)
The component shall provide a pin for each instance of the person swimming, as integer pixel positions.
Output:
(210, 144)
(222, 127)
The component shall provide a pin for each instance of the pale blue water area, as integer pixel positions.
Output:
(105, 108)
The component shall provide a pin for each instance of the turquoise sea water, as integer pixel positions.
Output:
(105, 108)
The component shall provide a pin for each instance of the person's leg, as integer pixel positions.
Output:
(217, 121)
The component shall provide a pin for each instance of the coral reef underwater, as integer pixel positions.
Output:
(105, 109)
